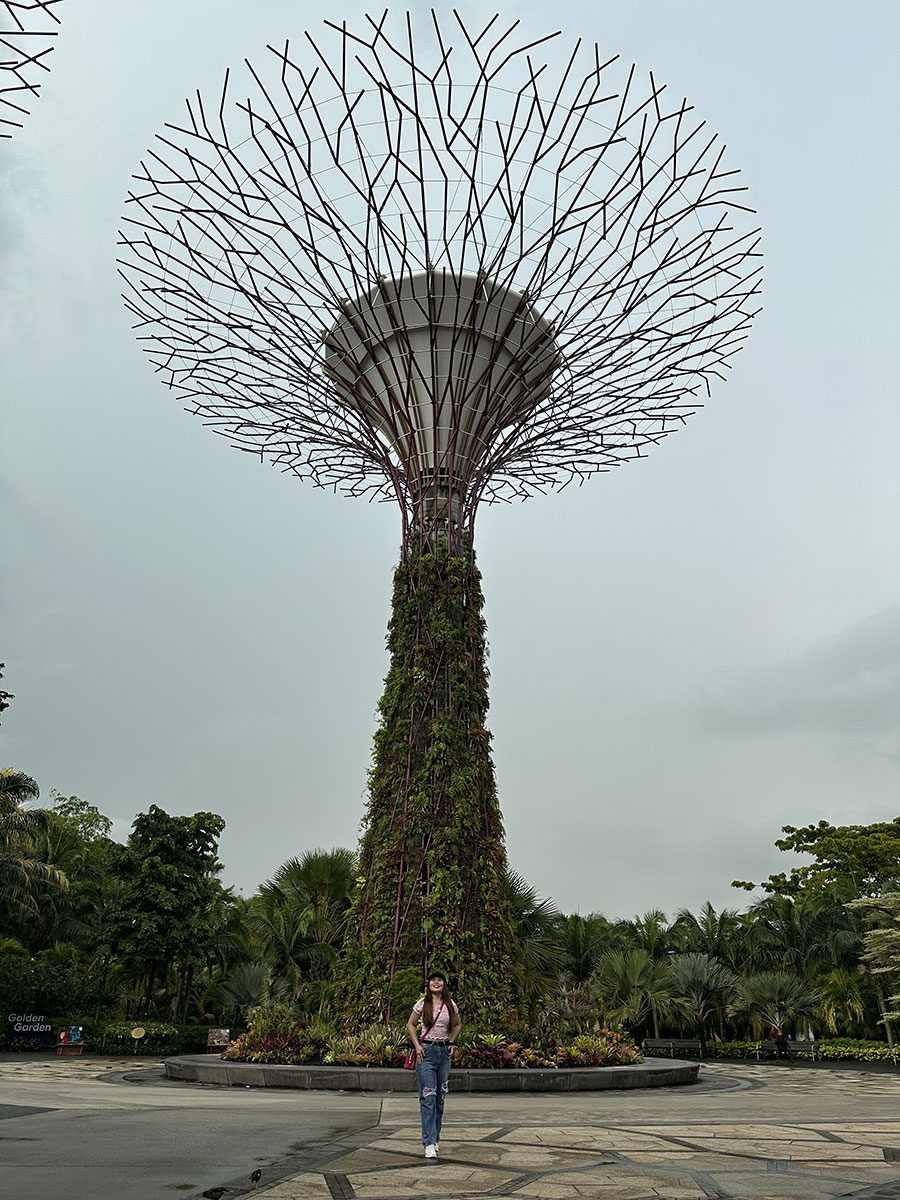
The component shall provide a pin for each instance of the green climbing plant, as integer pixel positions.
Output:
(432, 861)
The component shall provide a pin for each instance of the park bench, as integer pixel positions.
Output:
(682, 1045)
(67, 1049)
(770, 1047)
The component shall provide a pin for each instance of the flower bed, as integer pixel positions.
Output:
(277, 1038)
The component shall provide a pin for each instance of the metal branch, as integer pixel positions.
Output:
(368, 176)
(26, 39)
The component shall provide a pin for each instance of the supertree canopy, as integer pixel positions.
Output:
(443, 266)
(27, 30)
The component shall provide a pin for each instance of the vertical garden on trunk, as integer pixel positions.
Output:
(432, 859)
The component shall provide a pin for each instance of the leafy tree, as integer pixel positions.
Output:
(881, 946)
(5, 696)
(25, 881)
(168, 871)
(850, 860)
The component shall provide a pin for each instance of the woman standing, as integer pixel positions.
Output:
(440, 1022)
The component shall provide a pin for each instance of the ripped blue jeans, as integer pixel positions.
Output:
(433, 1074)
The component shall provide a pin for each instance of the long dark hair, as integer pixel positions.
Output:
(428, 1006)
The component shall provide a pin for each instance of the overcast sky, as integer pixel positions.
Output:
(686, 653)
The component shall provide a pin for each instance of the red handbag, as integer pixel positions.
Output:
(409, 1063)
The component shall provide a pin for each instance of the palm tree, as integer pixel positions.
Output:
(585, 940)
(719, 934)
(774, 1000)
(704, 985)
(631, 988)
(807, 933)
(249, 985)
(228, 943)
(316, 890)
(540, 955)
(651, 932)
(284, 935)
(25, 881)
(842, 1004)
(93, 923)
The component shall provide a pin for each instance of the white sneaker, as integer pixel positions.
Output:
(437, 1149)
(431, 1151)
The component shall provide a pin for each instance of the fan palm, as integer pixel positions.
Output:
(316, 890)
(705, 987)
(540, 955)
(631, 989)
(249, 985)
(773, 1000)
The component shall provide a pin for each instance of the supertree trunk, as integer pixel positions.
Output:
(432, 857)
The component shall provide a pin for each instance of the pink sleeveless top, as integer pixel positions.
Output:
(441, 1027)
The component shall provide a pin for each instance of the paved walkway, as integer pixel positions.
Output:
(575, 1148)
(745, 1132)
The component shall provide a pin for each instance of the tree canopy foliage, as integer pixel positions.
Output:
(90, 927)
(850, 860)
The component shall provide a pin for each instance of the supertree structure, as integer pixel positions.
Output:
(27, 33)
(428, 265)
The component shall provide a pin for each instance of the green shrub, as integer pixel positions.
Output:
(833, 1049)
(611, 1048)
(731, 1049)
(856, 1050)
(159, 1039)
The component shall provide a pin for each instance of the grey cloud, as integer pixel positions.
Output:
(848, 685)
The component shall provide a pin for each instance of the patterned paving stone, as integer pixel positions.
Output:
(581, 1138)
(624, 1183)
(733, 1161)
(428, 1179)
(302, 1187)
(793, 1151)
(520, 1157)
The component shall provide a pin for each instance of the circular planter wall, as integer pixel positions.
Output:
(653, 1072)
